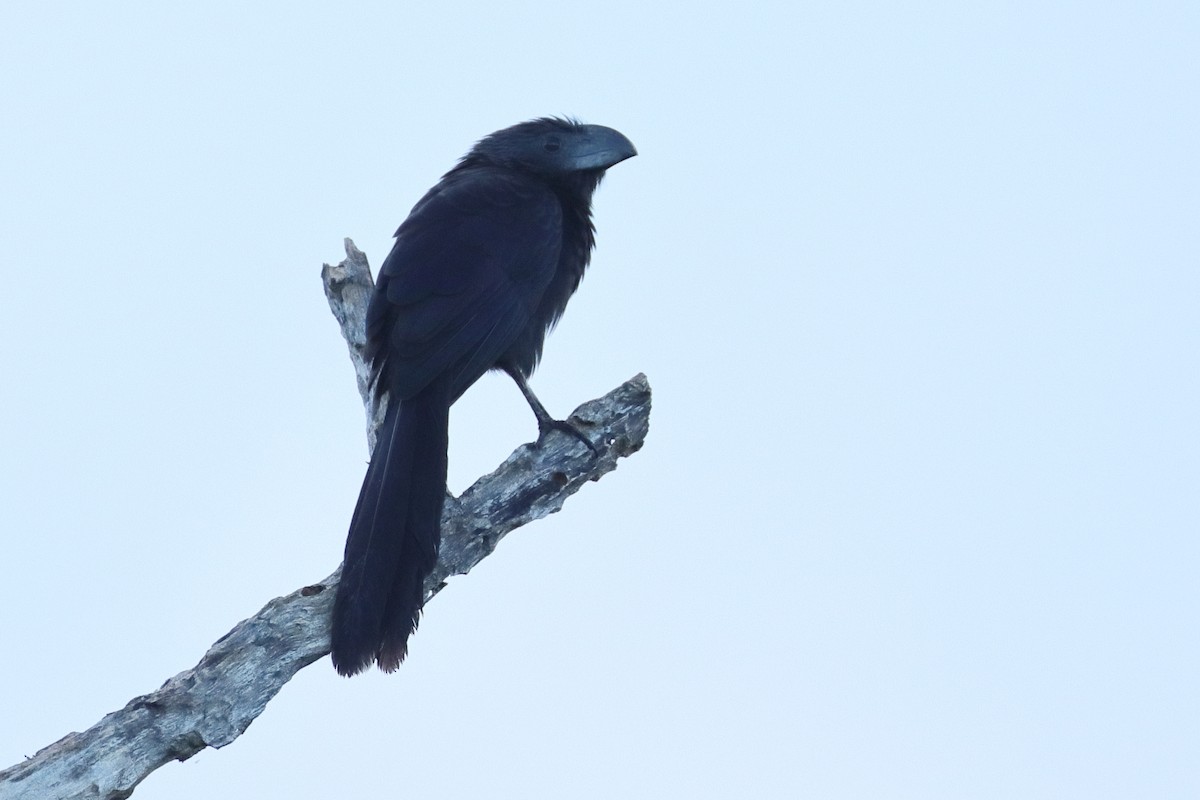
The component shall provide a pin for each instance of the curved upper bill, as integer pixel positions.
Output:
(599, 147)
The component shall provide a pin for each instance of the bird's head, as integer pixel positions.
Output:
(553, 147)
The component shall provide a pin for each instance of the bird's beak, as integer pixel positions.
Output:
(600, 148)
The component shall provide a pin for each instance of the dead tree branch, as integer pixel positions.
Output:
(212, 703)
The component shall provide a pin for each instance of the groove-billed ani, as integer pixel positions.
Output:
(480, 271)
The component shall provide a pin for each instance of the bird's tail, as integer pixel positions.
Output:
(394, 535)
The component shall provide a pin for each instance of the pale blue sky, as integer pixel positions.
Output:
(916, 286)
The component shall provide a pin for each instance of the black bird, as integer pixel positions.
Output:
(480, 271)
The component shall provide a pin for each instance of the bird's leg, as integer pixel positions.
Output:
(547, 423)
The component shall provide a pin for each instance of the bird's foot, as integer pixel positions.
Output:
(548, 423)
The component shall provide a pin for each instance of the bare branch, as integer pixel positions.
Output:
(211, 704)
(348, 287)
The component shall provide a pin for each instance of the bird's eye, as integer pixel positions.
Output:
(552, 144)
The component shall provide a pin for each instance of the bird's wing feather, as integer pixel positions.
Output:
(463, 279)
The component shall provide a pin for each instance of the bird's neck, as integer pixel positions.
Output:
(575, 196)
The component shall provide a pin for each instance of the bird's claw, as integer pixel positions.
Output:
(550, 424)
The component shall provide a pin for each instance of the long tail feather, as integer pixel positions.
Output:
(394, 536)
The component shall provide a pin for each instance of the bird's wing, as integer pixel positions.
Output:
(463, 279)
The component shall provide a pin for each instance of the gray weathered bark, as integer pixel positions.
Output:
(211, 704)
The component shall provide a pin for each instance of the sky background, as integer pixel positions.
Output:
(916, 286)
